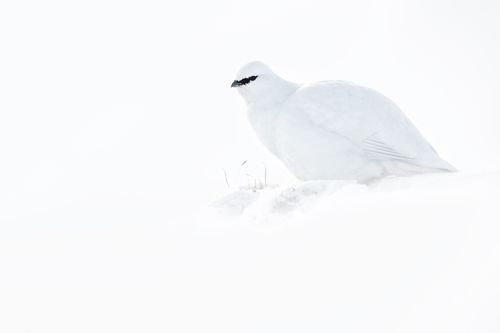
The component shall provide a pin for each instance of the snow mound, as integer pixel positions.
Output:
(273, 200)
(310, 197)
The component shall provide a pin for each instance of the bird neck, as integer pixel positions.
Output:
(273, 93)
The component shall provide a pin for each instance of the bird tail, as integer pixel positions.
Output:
(435, 165)
(445, 166)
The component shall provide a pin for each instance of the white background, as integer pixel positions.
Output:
(116, 117)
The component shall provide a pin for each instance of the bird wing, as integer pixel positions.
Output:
(368, 119)
(378, 149)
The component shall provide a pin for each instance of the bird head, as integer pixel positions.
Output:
(255, 81)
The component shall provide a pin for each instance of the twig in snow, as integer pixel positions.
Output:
(265, 177)
(225, 177)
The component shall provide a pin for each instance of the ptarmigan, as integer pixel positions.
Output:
(333, 129)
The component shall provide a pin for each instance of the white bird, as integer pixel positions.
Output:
(333, 129)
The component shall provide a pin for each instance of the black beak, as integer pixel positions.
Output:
(235, 84)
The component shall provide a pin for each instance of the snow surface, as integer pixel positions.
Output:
(417, 254)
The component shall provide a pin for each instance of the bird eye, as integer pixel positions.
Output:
(247, 80)
(244, 81)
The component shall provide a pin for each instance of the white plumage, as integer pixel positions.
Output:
(333, 129)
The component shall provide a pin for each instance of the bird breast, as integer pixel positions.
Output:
(263, 121)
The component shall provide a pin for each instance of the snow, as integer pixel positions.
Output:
(274, 201)
(416, 254)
